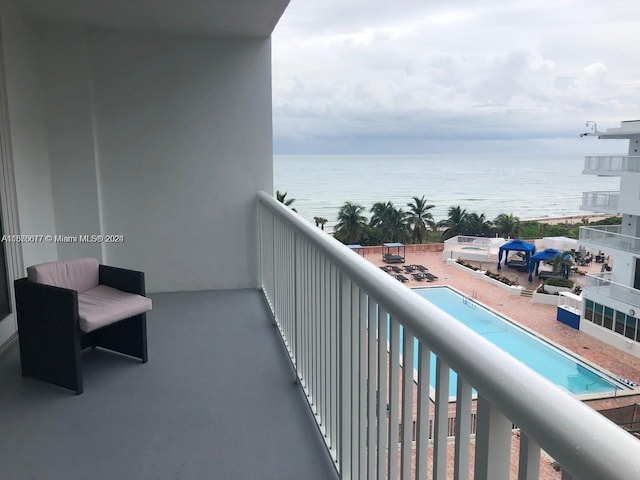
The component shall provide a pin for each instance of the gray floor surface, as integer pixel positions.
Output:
(216, 401)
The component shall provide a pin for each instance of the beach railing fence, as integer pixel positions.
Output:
(328, 303)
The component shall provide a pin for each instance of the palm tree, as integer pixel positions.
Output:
(419, 217)
(322, 221)
(282, 198)
(562, 264)
(455, 223)
(390, 221)
(507, 225)
(380, 212)
(477, 225)
(352, 225)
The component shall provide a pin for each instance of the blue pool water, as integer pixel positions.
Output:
(557, 366)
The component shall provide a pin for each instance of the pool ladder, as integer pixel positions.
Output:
(468, 299)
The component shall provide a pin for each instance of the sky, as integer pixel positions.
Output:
(461, 76)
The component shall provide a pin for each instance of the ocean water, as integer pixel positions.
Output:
(528, 186)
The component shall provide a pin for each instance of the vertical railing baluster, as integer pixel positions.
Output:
(354, 365)
(407, 404)
(423, 414)
(383, 372)
(345, 360)
(362, 389)
(463, 430)
(334, 375)
(372, 388)
(529, 458)
(394, 400)
(493, 442)
(441, 421)
(299, 306)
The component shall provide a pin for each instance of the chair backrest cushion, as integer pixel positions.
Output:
(81, 274)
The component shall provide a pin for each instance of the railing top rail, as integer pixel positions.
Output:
(582, 440)
(612, 156)
(602, 192)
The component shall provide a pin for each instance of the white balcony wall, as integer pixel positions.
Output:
(630, 194)
(163, 138)
(184, 140)
(28, 142)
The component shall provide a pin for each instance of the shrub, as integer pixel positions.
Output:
(559, 282)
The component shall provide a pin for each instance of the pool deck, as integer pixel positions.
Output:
(537, 317)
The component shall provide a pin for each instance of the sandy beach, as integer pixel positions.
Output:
(574, 220)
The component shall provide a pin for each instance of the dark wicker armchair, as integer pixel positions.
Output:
(65, 307)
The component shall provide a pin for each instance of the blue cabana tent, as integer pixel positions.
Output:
(546, 254)
(519, 246)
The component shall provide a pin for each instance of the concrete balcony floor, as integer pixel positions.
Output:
(216, 401)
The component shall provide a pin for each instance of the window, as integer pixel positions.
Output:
(608, 318)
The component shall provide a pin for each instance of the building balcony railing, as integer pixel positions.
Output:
(611, 164)
(602, 285)
(328, 304)
(605, 202)
(609, 237)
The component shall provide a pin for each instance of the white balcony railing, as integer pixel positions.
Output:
(602, 284)
(609, 236)
(606, 202)
(611, 164)
(328, 303)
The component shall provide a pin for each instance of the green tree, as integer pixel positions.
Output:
(282, 198)
(456, 222)
(507, 225)
(390, 221)
(420, 219)
(477, 225)
(352, 225)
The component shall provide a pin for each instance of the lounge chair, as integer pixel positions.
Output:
(418, 276)
(430, 277)
(409, 268)
(396, 269)
(385, 269)
(422, 268)
(392, 258)
(402, 278)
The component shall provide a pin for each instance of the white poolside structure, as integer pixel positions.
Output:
(152, 119)
(611, 299)
(478, 249)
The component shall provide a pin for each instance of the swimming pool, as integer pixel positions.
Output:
(552, 363)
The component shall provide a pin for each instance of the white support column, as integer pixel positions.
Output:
(407, 404)
(441, 421)
(345, 362)
(422, 428)
(493, 442)
(529, 458)
(463, 430)
(394, 398)
(383, 372)
(372, 387)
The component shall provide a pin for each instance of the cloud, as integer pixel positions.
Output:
(353, 71)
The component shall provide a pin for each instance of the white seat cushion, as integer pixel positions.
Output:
(104, 305)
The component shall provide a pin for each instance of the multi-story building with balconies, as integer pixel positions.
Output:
(611, 299)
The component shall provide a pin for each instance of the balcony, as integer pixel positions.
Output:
(217, 398)
(603, 202)
(602, 285)
(611, 165)
(216, 401)
(609, 237)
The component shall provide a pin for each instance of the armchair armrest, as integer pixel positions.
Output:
(130, 281)
(48, 332)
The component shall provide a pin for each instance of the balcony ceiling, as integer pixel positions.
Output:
(256, 18)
